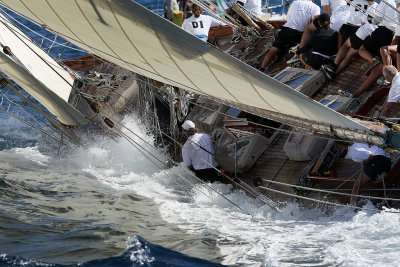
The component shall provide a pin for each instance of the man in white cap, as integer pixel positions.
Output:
(198, 153)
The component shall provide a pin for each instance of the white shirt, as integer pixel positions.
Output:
(357, 17)
(194, 155)
(254, 6)
(394, 92)
(340, 17)
(360, 152)
(386, 15)
(200, 26)
(366, 29)
(397, 30)
(300, 14)
(333, 4)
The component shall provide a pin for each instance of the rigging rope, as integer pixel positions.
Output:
(326, 202)
(330, 192)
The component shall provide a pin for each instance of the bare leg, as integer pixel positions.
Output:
(398, 61)
(342, 52)
(273, 51)
(387, 110)
(396, 40)
(372, 78)
(307, 34)
(346, 61)
(361, 181)
(340, 40)
(365, 54)
(387, 53)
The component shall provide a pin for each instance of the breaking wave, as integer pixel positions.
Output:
(89, 202)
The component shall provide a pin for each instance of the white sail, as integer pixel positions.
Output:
(38, 74)
(131, 36)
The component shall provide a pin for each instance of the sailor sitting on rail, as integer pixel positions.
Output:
(375, 161)
(321, 46)
(199, 24)
(393, 76)
(383, 35)
(353, 43)
(198, 153)
(299, 15)
(328, 7)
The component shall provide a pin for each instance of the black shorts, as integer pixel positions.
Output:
(315, 61)
(348, 30)
(398, 49)
(286, 38)
(208, 175)
(377, 165)
(355, 42)
(380, 37)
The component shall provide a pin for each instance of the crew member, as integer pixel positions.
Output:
(321, 46)
(299, 15)
(393, 76)
(375, 160)
(328, 7)
(198, 153)
(199, 24)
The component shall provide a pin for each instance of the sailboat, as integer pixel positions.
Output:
(139, 54)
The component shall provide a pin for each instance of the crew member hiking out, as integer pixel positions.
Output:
(198, 153)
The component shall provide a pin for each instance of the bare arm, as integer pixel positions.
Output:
(326, 9)
(386, 110)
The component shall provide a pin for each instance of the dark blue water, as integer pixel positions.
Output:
(139, 253)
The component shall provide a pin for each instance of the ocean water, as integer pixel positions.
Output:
(107, 205)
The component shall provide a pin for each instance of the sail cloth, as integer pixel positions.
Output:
(38, 74)
(133, 37)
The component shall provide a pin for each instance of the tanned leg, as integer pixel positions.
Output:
(371, 80)
(365, 54)
(398, 60)
(342, 52)
(273, 51)
(385, 54)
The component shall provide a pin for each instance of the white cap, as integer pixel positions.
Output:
(187, 125)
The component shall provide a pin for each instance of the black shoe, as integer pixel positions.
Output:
(328, 71)
(261, 69)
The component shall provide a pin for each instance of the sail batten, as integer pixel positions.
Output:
(160, 50)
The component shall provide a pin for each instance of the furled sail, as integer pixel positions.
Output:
(131, 36)
(38, 74)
